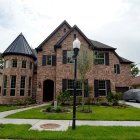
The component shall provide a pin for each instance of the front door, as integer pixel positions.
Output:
(48, 90)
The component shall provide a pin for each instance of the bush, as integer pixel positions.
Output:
(63, 97)
(58, 109)
(49, 109)
(114, 97)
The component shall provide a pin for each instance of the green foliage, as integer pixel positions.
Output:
(134, 70)
(12, 131)
(114, 97)
(63, 97)
(24, 101)
(58, 109)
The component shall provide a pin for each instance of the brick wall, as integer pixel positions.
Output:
(18, 72)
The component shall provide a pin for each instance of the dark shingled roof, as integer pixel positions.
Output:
(99, 45)
(20, 46)
(64, 22)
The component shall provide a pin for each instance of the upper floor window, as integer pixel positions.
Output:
(13, 85)
(48, 60)
(117, 68)
(68, 57)
(23, 63)
(7, 63)
(14, 63)
(31, 65)
(102, 58)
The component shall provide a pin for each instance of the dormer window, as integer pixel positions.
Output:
(14, 63)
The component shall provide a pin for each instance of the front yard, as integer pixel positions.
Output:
(7, 107)
(10, 131)
(98, 113)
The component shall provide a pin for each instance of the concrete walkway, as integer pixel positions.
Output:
(63, 124)
(137, 105)
(6, 113)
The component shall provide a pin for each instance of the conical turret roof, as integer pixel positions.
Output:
(20, 46)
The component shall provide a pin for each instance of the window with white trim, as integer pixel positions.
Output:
(49, 59)
(13, 85)
(30, 86)
(14, 63)
(99, 58)
(23, 63)
(22, 85)
(5, 85)
(70, 57)
(102, 87)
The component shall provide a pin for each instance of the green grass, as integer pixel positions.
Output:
(6, 108)
(98, 113)
(10, 131)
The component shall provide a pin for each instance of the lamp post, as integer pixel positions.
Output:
(76, 48)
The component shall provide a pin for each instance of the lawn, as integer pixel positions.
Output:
(98, 113)
(10, 131)
(6, 108)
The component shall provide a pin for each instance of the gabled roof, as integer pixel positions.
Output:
(123, 60)
(63, 23)
(99, 45)
(19, 46)
(58, 44)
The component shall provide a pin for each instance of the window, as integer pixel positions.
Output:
(49, 60)
(71, 85)
(74, 36)
(102, 88)
(44, 58)
(70, 57)
(14, 63)
(24, 64)
(117, 68)
(99, 58)
(30, 86)
(31, 65)
(22, 86)
(5, 85)
(13, 85)
(7, 64)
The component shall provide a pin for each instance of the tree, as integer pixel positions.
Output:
(85, 62)
(134, 70)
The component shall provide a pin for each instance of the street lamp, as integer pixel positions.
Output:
(76, 48)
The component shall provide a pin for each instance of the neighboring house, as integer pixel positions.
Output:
(136, 82)
(42, 75)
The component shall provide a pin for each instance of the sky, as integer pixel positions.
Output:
(112, 22)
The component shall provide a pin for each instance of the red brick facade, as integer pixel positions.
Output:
(55, 74)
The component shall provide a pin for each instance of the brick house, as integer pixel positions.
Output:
(43, 73)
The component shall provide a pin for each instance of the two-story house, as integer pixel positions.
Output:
(44, 74)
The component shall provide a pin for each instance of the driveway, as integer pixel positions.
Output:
(137, 105)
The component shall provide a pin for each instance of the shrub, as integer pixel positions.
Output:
(63, 97)
(114, 97)
(49, 109)
(58, 109)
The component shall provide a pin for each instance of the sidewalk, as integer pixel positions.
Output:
(62, 124)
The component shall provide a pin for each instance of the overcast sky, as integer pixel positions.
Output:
(113, 22)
